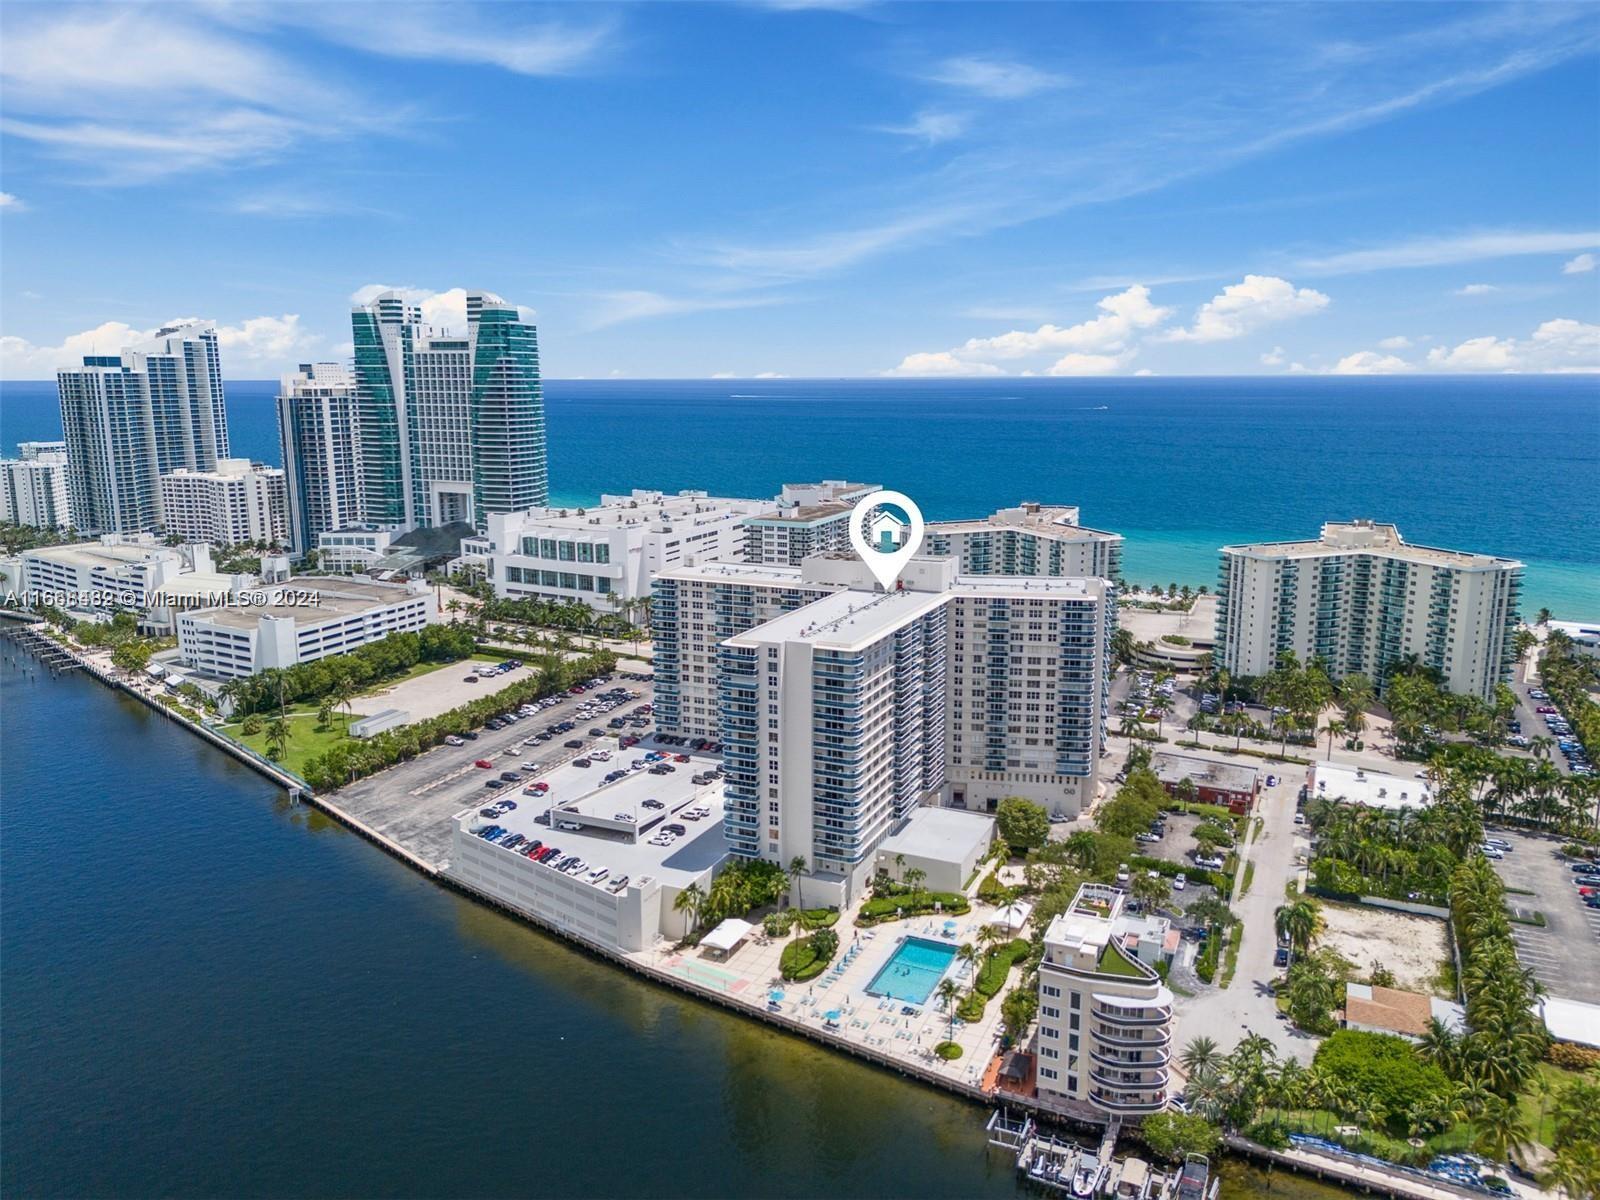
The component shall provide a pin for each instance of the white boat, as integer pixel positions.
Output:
(1087, 1175)
(1129, 1179)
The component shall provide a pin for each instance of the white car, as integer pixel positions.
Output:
(1179, 882)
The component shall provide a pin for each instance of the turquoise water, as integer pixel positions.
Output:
(913, 970)
(1503, 465)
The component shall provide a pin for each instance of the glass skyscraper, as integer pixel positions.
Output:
(451, 426)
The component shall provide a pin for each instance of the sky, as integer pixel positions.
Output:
(799, 188)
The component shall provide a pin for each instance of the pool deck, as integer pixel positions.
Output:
(750, 973)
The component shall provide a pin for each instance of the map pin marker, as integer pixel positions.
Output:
(885, 542)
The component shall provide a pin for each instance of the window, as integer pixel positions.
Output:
(585, 552)
(602, 554)
(1049, 1052)
(1047, 1073)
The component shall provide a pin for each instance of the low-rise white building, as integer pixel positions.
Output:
(1104, 1035)
(1584, 635)
(238, 501)
(606, 555)
(945, 844)
(1360, 597)
(624, 897)
(33, 488)
(119, 572)
(299, 620)
(353, 549)
(1374, 789)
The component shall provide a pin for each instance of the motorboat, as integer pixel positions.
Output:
(1087, 1175)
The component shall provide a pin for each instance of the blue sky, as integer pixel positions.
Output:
(815, 189)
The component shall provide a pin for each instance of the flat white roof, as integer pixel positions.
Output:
(727, 935)
(1332, 781)
(1571, 1020)
(846, 620)
(940, 834)
(97, 554)
(776, 574)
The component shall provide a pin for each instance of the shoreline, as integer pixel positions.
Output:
(1325, 1168)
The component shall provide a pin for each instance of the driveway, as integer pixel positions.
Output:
(1247, 1006)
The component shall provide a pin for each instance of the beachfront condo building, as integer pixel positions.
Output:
(132, 417)
(1361, 598)
(606, 555)
(33, 489)
(809, 518)
(1030, 539)
(238, 501)
(1029, 681)
(298, 620)
(119, 573)
(696, 608)
(833, 732)
(1104, 1035)
(319, 436)
(451, 423)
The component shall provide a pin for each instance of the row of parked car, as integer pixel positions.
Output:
(552, 857)
(1574, 751)
(1586, 878)
(706, 745)
(504, 668)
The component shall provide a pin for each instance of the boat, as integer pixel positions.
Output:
(1195, 1181)
(1129, 1179)
(1087, 1175)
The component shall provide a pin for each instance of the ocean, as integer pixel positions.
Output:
(1504, 465)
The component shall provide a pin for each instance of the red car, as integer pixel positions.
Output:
(541, 787)
(485, 764)
(680, 758)
(1546, 708)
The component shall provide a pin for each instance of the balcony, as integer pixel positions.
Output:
(1155, 1055)
(1129, 1102)
(1114, 1080)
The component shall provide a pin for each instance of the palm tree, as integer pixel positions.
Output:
(1439, 1045)
(968, 955)
(1502, 1131)
(690, 900)
(948, 993)
(797, 868)
(1200, 1057)
(1299, 923)
(345, 689)
(1333, 729)
(913, 879)
(277, 736)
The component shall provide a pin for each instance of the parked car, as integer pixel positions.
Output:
(484, 764)
(1180, 881)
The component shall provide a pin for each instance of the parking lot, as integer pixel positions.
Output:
(1565, 953)
(412, 802)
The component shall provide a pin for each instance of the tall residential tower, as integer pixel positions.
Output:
(318, 433)
(130, 418)
(451, 424)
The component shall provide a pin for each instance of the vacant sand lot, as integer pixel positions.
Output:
(1410, 946)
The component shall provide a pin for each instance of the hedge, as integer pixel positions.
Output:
(800, 960)
(882, 908)
(1222, 883)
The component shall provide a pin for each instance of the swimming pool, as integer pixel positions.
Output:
(913, 970)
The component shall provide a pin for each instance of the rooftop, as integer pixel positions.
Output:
(99, 554)
(804, 514)
(1370, 537)
(1334, 781)
(1025, 585)
(324, 599)
(1231, 777)
(1394, 1010)
(638, 508)
(1051, 520)
(737, 572)
(676, 865)
(845, 620)
(942, 834)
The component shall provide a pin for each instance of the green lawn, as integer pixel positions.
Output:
(306, 739)
(1544, 1131)
(1113, 963)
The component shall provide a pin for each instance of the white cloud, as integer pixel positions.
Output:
(1398, 342)
(1246, 306)
(942, 362)
(932, 127)
(255, 347)
(1090, 364)
(616, 307)
(461, 33)
(1581, 265)
(1368, 362)
(10, 203)
(997, 78)
(1273, 357)
(723, 375)
(1476, 289)
(1558, 345)
(1444, 251)
(1096, 346)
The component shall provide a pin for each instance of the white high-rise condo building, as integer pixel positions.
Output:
(840, 713)
(452, 423)
(606, 555)
(33, 489)
(319, 435)
(1104, 1036)
(810, 518)
(31, 450)
(1030, 539)
(238, 501)
(133, 417)
(1361, 598)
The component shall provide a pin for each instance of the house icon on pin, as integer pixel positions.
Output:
(885, 532)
